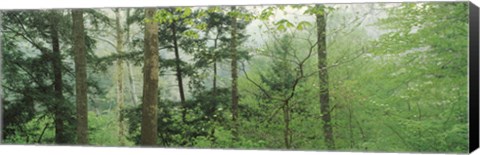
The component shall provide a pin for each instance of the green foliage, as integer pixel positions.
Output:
(405, 91)
(103, 129)
(38, 131)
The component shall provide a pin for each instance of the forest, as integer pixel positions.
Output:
(346, 77)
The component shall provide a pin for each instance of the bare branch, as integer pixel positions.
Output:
(257, 85)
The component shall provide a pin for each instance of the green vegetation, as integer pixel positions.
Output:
(356, 77)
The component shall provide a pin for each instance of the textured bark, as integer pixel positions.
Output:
(59, 118)
(179, 71)
(233, 50)
(323, 77)
(150, 85)
(119, 67)
(80, 76)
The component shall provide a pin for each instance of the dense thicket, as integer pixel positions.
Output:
(363, 77)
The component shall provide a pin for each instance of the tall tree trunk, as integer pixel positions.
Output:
(60, 133)
(131, 79)
(80, 76)
(323, 78)
(119, 66)
(179, 71)
(214, 87)
(150, 79)
(233, 50)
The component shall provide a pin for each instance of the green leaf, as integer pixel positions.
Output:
(303, 24)
(186, 12)
(191, 34)
(281, 28)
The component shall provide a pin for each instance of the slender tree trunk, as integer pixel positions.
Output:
(43, 132)
(119, 66)
(60, 133)
(323, 77)
(233, 50)
(286, 119)
(80, 76)
(131, 79)
(179, 71)
(350, 125)
(133, 90)
(214, 87)
(150, 79)
(362, 133)
(215, 54)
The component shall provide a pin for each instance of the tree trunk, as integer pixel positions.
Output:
(119, 66)
(323, 77)
(350, 126)
(214, 87)
(60, 134)
(215, 54)
(150, 79)
(133, 90)
(286, 119)
(80, 76)
(233, 49)
(131, 79)
(179, 72)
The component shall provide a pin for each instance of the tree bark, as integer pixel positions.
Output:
(80, 76)
(323, 77)
(233, 50)
(60, 134)
(150, 85)
(179, 71)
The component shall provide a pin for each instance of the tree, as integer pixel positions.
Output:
(119, 47)
(60, 110)
(150, 80)
(323, 77)
(80, 76)
(301, 83)
(430, 42)
(176, 25)
(233, 50)
(217, 24)
(46, 34)
(133, 90)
